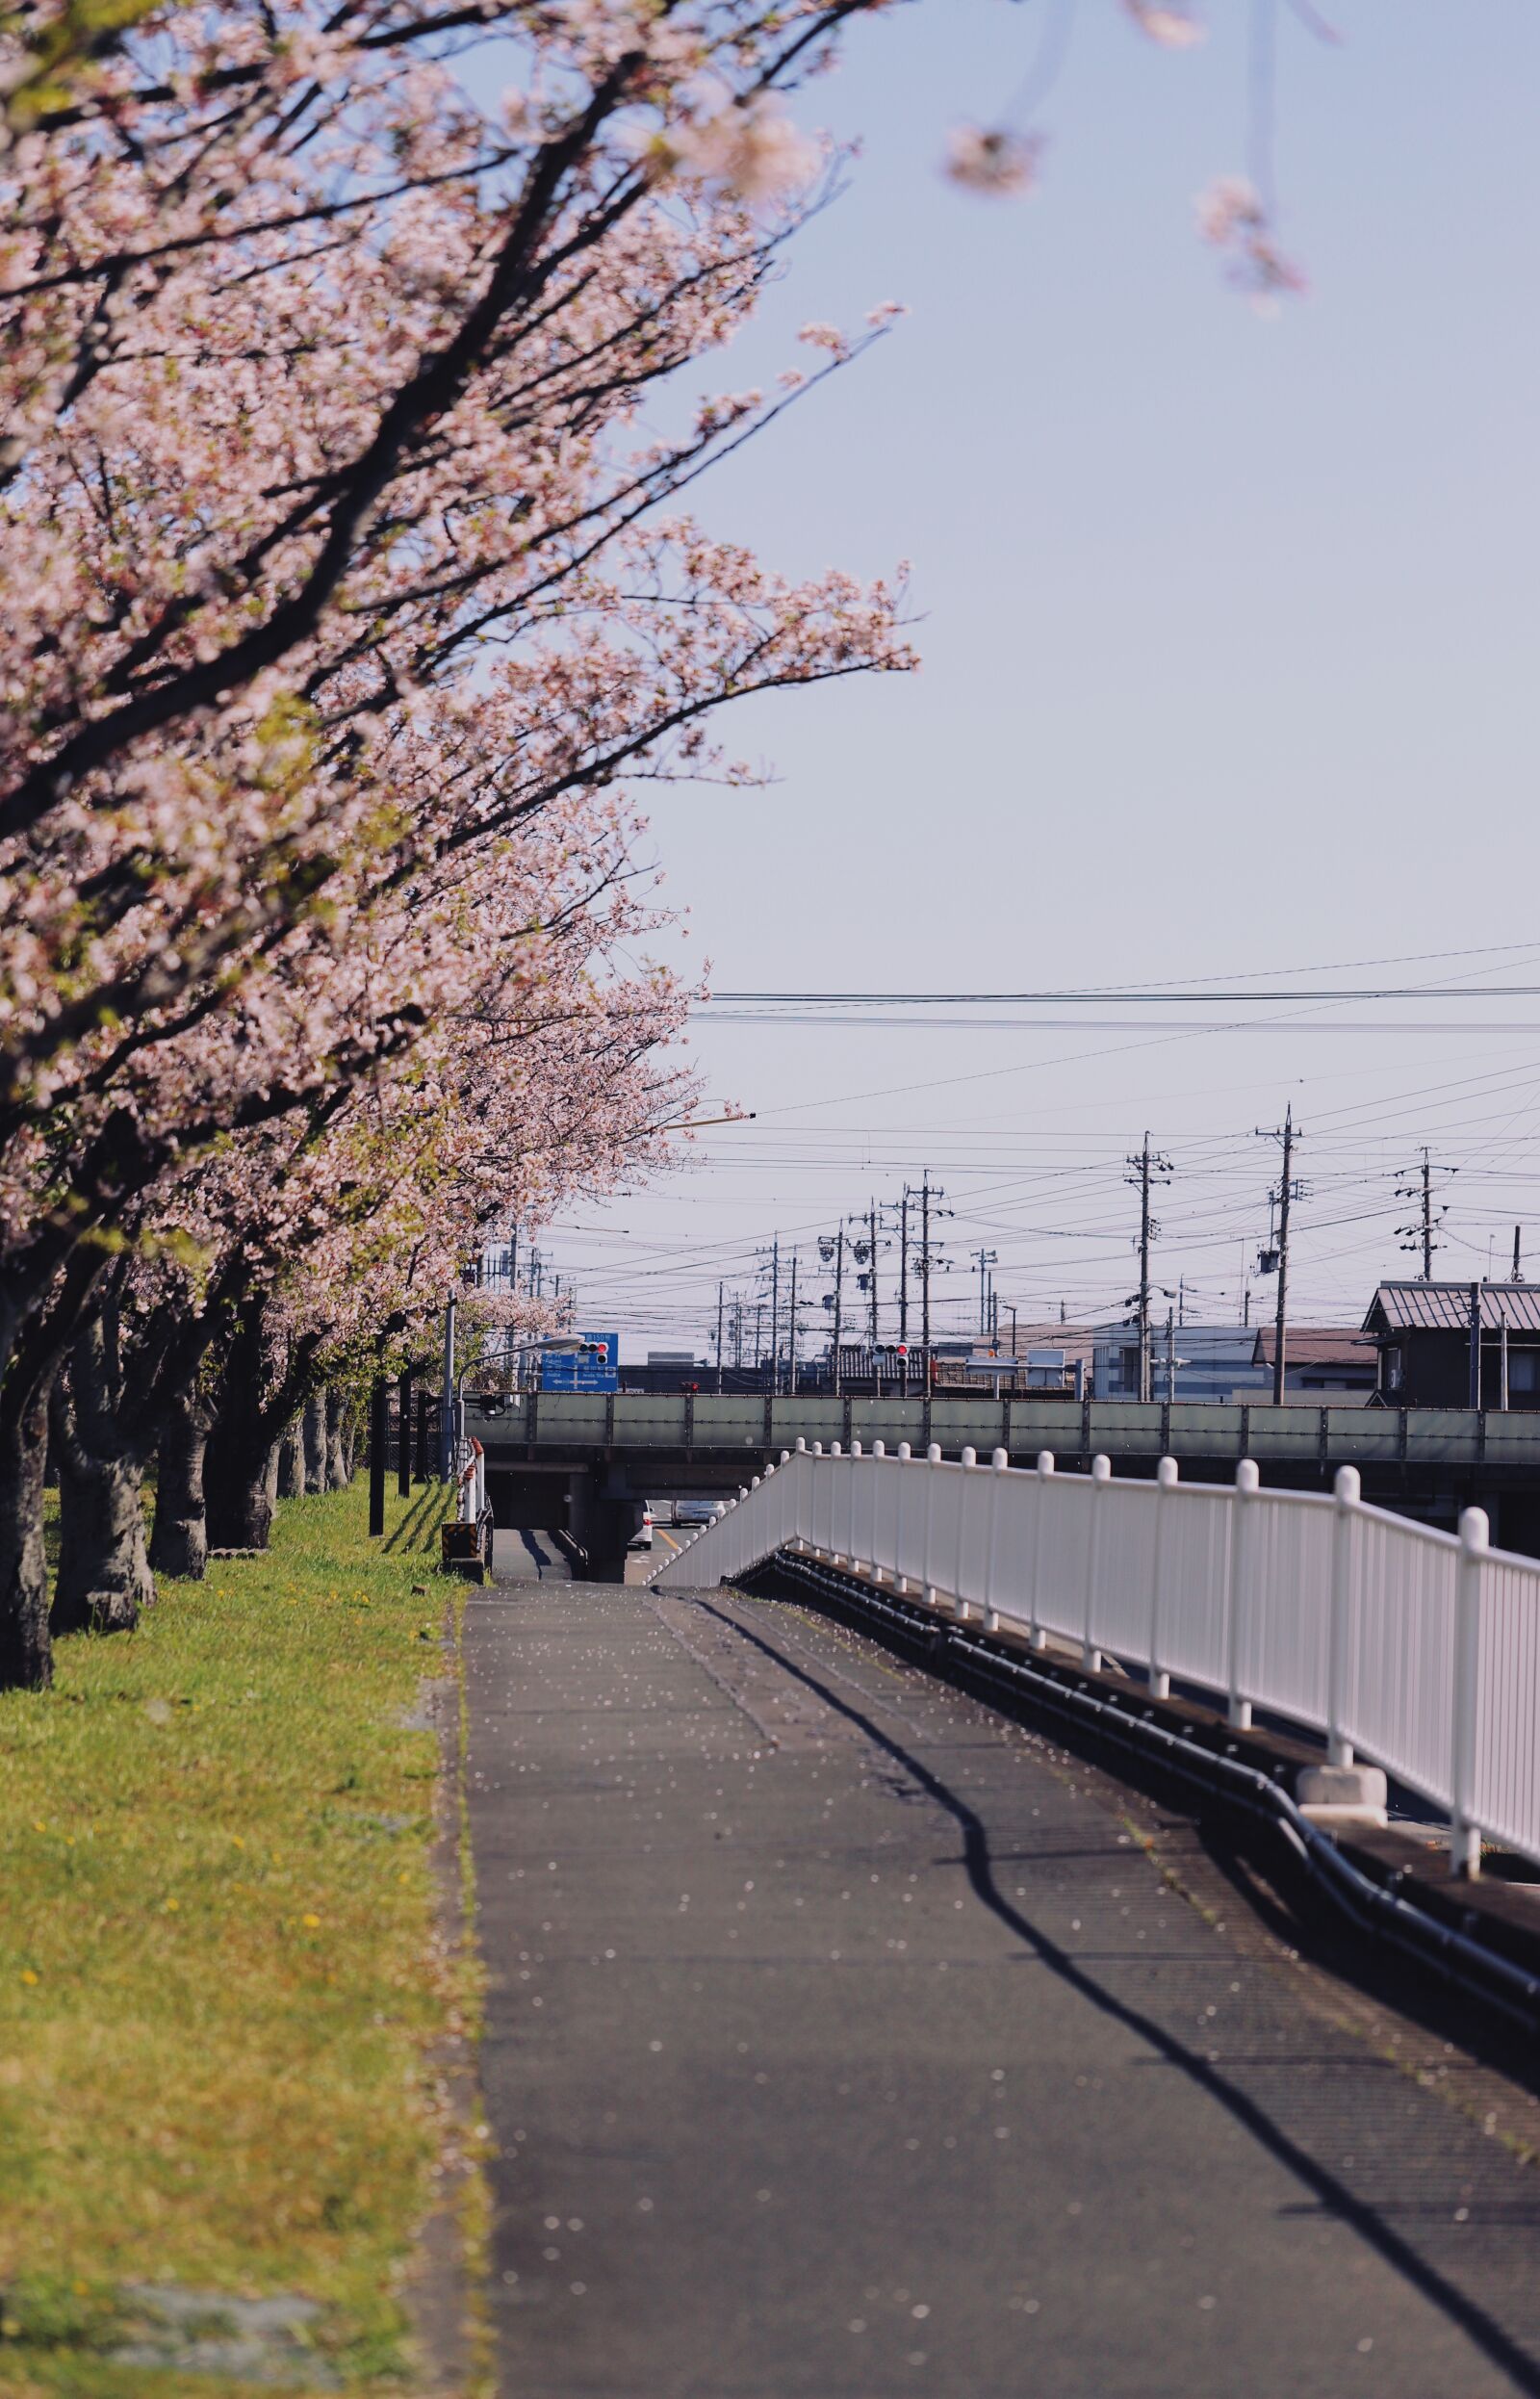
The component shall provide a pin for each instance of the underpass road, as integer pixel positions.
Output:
(840, 2042)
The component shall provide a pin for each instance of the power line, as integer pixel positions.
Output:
(1120, 996)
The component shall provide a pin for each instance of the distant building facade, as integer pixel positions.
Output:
(1194, 1362)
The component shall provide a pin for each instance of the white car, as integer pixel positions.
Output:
(642, 1537)
(695, 1511)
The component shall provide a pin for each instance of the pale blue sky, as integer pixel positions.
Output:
(1229, 626)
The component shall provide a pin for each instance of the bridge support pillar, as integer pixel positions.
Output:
(601, 1525)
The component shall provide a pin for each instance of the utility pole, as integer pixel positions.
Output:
(925, 1274)
(1287, 1193)
(1170, 1357)
(1147, 1164)
(791, 1342)
(929, 1192)
(985, 1258)
(1420, 1235)
(775, 1314)
(1518, 1270)
(719, 1298)
(903, 1286)
(839, 1298)
(871, 1235)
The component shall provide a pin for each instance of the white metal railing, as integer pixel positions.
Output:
(471, 1481)
(1417, 1649)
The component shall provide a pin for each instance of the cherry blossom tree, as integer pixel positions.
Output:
(310, 1252)
(340, 558)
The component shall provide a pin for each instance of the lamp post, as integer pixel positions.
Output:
(568, 1344)
(446, 1406)
(565, 1344)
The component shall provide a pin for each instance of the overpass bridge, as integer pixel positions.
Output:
(585, 1464)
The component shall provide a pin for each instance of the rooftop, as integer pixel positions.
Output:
(1446, 1307)
(1318, 1344)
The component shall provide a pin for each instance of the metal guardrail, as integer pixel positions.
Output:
(1418, 1649)
(758, 1423)
(467, 1536)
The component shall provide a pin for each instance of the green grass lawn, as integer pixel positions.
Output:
(222, 1967)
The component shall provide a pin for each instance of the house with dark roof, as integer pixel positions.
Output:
(1456, 1345)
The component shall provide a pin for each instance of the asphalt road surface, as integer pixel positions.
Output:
(527, 1558)
(843, 2040)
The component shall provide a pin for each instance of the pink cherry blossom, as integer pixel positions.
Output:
(1230, 214)
(1174, 29)
(996, 162)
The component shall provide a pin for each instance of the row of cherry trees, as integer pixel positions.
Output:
(351, 586)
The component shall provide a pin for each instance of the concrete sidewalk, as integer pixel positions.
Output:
(841, 2043)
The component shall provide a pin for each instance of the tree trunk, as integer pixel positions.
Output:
(104, 1575)
(314, 1443)
(242, 1454)
(26, 1661)
(291, 1461)
(336, 1406)
(350, 1442)
(179, 1545)
(238, 1497)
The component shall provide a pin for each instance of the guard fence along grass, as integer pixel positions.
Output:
(224, 1985)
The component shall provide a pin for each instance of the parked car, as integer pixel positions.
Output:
(694, 1511)
(642, 1537)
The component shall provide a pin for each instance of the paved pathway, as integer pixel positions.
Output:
(840, 2043)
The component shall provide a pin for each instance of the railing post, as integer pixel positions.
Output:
(992, 1613)
(901, 1580)
(1166, 1473)
(850, 1511)
(1101, 1468)
(878, 1483)
(1039, 1637)
(932, 1458)
(1346, 1489)
(799, 1537)
(1465, 1838)
(835, 1555)
(960, 1606)
(1247, 1480)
